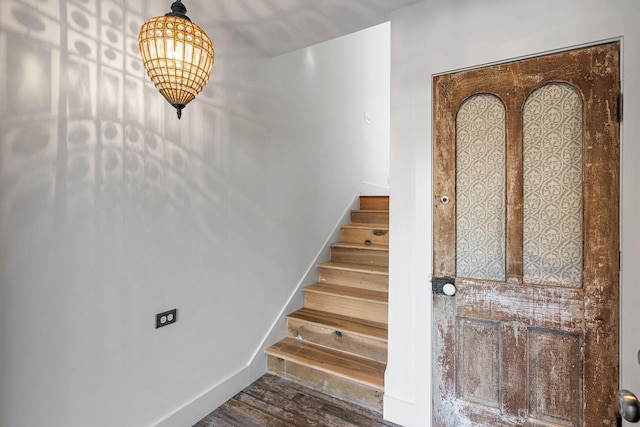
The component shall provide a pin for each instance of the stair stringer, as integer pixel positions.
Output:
(257, 365)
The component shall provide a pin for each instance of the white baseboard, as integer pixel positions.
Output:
(400, 411)
(195, 410)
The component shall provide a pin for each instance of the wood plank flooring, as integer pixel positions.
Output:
(275, 402)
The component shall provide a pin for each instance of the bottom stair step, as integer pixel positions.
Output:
(336, 373)
(348, 334)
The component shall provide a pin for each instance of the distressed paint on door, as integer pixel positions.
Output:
(509, 352)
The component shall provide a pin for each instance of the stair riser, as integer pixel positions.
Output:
(374, 203)
(355, 279)
(372, 348)
(359, 235)
(332, 385)
(339, 304)
(364, 217)
(360, 256)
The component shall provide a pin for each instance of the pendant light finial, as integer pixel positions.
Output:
(179, 108)
(178, 9)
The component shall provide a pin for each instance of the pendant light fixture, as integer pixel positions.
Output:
(177, 54)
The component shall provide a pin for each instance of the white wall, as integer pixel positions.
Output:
(326, 92)
(434, 37)
(112, 210)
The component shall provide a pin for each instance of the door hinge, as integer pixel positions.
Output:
(620, 106)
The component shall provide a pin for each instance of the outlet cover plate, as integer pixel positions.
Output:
(166, 318)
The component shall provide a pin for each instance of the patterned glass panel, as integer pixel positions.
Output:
(552, 119)
(480, 188)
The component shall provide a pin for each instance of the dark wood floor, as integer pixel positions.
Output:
(274, 402)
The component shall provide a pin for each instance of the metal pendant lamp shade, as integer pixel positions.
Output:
(177, 54)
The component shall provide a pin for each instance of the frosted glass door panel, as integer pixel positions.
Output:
(552, 247)
(480, 187)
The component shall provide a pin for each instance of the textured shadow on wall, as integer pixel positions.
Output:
(107, 201)
(86, 141)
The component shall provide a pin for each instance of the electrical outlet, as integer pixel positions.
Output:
(166, 318)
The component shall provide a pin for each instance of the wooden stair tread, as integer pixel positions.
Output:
(345, 365)
(371, 218)
(342, 323)
(381, 248)
(374, 202)
(349, 292)
(366, 226)
(363, 268)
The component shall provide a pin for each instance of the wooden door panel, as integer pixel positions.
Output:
(544, 361)
(554, 365)
(478, 368)
(510, 352)
(531, 305)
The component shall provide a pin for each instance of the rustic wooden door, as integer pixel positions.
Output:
(526, 196)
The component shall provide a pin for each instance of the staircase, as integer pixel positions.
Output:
(337, 343)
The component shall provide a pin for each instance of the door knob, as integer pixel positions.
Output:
(449, 289)
(443, 286)
(628, 406)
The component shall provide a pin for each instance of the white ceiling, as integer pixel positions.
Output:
(274, 27)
